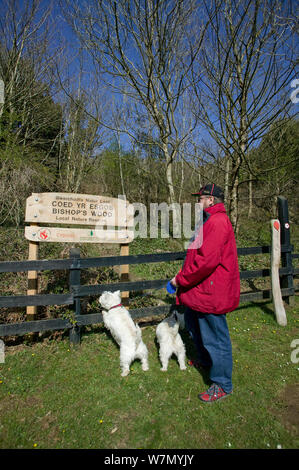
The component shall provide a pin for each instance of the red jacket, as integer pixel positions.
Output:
(209, 281)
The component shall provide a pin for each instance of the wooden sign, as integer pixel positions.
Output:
(77, 235)
(78, 209)
(97, 212)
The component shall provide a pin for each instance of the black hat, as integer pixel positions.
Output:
(210, 190)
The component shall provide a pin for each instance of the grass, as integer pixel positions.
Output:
(56, 396)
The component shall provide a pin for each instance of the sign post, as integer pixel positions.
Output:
(109, 220)
(32, 278)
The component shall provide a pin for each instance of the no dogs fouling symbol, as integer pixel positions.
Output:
(287, 225)
(43, 234)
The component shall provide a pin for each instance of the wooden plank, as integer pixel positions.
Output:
(258, 295)
(97, 318)
(260, 250)
(78, 235)
(262, 295)
(24, 300)
(253, 250)
(22, 328)
(254, 274)
(85, 263)
(151, 311)
(39, 265)
(90, 319)
(12, 329)
(275, 283)
(263, 273)
(87, 290)
(78, 209)
(42, 265)
(31, 310)
(132, 259)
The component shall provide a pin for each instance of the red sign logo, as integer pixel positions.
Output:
(43, 234)
(276, 225)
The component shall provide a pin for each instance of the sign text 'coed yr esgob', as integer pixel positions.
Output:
(78, 209)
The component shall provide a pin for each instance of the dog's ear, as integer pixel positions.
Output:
(118, 292)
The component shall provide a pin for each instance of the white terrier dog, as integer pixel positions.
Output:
(170, 341)
(127, 335)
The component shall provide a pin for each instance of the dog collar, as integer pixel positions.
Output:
(118, 305)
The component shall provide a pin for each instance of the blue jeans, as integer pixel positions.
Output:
(212, 340)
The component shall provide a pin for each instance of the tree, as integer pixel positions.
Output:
(30, 120)
(276, 162)
(80, 139)
(140, 48)
(242, 77)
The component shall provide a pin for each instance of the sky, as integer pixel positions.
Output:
(64, 46)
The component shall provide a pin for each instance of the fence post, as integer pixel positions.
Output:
(75, 274)
(275, 262)
(286, 280)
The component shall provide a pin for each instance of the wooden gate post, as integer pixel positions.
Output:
(124, 273)
(32, 279)
(75, 275)
(286, 281)
(275, 263)
(124, 268)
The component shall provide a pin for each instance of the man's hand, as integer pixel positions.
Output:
(173, 282)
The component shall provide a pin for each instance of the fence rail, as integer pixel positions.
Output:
(84, 263)
(74, 264)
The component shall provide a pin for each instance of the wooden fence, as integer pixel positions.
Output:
(75, 264)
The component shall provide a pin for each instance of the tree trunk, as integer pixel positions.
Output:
(169, 178)
(226, 184)
(234, 207)
(250, 203)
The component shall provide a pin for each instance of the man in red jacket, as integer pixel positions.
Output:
(209, 285)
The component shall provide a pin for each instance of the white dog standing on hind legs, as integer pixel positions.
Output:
(170, 341)
(127, 335)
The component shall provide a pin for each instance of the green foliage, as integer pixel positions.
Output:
(70, 316)
(30, 127)
(275, 161)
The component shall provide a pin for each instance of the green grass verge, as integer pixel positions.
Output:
(56, 396)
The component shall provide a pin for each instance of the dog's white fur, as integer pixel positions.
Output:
(127, 335)
(170, 341)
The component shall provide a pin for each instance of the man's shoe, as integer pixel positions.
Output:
(214, 393)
